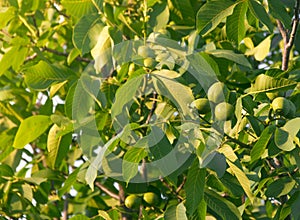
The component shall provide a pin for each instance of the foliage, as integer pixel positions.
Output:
(97, 104)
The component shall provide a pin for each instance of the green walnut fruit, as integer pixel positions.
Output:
(292, 111)
(224, 111)
(133, 202)
(217, 92)
(149, 63)
(273, 95)
(151, 198)
(145, 51)
(202, 105)
(281, 106)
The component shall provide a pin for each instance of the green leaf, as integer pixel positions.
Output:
(278, 11)
(280, 187)
(243, 180)
(262, 143)
(125, 95)
(43, 75)
(86, 32)
(183, 10)
(218, 164)
(260, 13)
(102, 52)
(159, 16)
(261, 51)
(79, 217)
(69, 182)
(175, 212)
(178, 93)
(284, 136)
(194, 186)
(221, 206)
(161, 152)
(6, 14)
(5, 171)
(202, 70)
(30, 129)
(13, 58)
(235, 23)
(96, 163)
(212, 14)
(79, 101)
(57, 145)
(104, 215)
(131, 162)
(264, 83)
(230, 55)
(79, 8)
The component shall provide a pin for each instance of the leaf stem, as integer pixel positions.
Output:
(107, 191)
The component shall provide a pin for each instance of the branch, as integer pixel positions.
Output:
(82, 59)
(65, 210)
(107, 191)
(289, 38)
(59, 12)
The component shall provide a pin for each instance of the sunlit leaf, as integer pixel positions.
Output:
(30, 129)
(264, 83)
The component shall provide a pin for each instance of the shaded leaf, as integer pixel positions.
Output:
(221, 206)
(235, 23)
(212, 13)
(280, 187)
(230, 55)
(86, 32)
(194, 186)
(284, 136)
(260, 146)
(43, 75)
(175, 212)
(131, 162)
(202, 70)
(278, 11)
(260, 13)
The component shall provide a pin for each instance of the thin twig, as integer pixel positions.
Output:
(181, 185)
(82, 59)
(107, 191)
